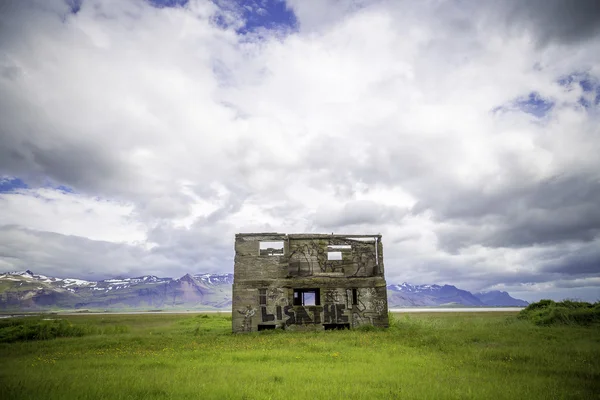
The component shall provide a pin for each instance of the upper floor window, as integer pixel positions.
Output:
(268, 248)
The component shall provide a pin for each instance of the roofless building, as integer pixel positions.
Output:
(308, 282)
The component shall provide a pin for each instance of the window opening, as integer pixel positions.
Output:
(307, 297)
(262, 297)
(262, 327)
(363, 239)
(269, 248)
(334, 255)
(354, 297)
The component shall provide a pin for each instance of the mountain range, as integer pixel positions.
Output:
(407, 295)
(27, 291)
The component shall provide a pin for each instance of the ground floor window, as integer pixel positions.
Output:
(262, 297)
(307, 297)
(262, 327)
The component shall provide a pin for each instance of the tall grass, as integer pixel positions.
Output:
(567, 312)
(37, 328)
(425, 356)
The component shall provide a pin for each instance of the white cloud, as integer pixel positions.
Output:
(374, 117)
(66, 213)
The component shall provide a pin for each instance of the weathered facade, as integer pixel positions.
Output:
(308, 282)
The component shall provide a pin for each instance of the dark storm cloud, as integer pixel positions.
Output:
(32, 144)
(562, 21)
(81, 166)
(202, 247)
(574, 284)
(33, 150)
(564, 208)
(358, 213)
(181, 251)
(69, 256)
(472, 274)
(584, 262)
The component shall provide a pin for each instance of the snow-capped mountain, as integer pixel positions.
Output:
(408, 288)
(25, 290)
(214, 279)
(499, 298)
(408, 295)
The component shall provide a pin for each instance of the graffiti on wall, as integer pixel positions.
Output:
(338, 308)
(277, 296)
(369, 306)
(332, 296)
(310, 257)
(306, 315)
(248, 313)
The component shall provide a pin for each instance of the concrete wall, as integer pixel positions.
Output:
(349, 292)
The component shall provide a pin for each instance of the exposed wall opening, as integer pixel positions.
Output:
(339, 247)
(330, 327)
(334, 255)
(262, 327)
(354, 297)
(363, 239)
(307, 297)
(262, 297)
(268, 248)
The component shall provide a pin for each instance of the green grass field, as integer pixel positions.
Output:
(422, 356)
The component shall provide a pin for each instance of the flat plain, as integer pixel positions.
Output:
(187, 356)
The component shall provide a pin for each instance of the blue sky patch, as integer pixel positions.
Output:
(586, 85)
(534, 104)
(246, 15)
(582, 79)
(253, 15)
(539, 106)
(589, 85)
(63, 188)
(10, 184)
(74, 5)
(268, 14)
(168, 3)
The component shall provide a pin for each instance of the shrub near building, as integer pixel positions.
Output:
(549, 312)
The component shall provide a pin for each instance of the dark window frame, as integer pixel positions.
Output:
(271, 251)
(262, 297)
(298, 298)
(265, 327)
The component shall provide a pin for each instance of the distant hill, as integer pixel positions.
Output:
(27, 291)
(498, 298)
(407, 295)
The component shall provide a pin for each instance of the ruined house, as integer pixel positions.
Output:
(308, 282)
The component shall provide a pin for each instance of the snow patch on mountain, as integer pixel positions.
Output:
(409, 295)
(199, 290)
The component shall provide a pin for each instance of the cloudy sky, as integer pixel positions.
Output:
(138, 136)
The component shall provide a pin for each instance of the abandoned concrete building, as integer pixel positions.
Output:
(308, 282)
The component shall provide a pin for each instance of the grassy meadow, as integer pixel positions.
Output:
(186, 356)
